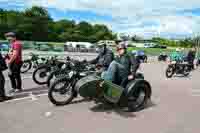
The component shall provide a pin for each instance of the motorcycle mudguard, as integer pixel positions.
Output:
(132, 86)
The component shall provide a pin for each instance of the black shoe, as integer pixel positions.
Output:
(2, 99)
(5, 98)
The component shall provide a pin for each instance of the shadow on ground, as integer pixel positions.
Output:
(123, 112)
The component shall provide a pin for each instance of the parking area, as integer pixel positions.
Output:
(174, 108)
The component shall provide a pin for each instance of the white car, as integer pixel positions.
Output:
(149, 45)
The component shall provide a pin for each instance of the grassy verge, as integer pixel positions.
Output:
(152, 51)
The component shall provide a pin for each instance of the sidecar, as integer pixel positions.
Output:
(134, 96)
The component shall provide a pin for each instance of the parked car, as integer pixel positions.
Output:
(4, 46)
(160, 46)
(149, 45)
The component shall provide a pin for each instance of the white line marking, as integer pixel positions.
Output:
(28, 77)
(24, 98)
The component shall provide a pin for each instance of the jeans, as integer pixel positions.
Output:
(15, 76)
(2, 83)
(116, 73)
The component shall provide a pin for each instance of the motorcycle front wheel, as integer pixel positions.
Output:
(61, 93)
(41, 74)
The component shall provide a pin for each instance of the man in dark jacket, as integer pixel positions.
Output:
(104, 58)
(191, 56)
(3, 67)
(123, 68)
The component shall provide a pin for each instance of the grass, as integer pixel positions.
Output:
(152, 51)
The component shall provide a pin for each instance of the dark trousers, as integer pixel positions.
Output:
(2, 84)
(15, 76)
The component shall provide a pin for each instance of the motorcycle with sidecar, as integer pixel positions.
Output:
(89, 84)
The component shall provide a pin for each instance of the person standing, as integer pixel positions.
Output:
(3, 67)
(14, 61)
(191, 56)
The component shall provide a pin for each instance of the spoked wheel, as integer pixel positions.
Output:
(169, 72)
(60, 93)
(26, 66)
(41, 74)
(139, 98)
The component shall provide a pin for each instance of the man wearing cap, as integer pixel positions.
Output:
(14, 61)
(123, 68)
(104, 58)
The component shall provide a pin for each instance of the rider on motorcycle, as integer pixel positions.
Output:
(123, 68)
(104, 58)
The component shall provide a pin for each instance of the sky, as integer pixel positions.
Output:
(146, 18)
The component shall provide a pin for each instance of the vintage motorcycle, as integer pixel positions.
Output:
(88, 84)
(41, 73)
(68, 66)
(33, 62)
(175, 67)
(162, 57)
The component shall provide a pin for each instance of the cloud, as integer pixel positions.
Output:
(146, 17)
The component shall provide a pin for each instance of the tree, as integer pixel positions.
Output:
(36, 24)
(37, 18)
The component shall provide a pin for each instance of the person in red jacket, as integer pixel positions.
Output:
(14, 61)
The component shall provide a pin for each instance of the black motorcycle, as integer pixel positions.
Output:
(33, 62)
(41, 73)
(162, 57)
(67, 67)
(178, 68)
(88, 84)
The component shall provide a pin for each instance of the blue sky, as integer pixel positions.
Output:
(147, 18)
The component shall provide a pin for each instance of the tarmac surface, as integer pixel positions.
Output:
(174, 108)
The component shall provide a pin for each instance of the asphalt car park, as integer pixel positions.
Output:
(174, 108)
